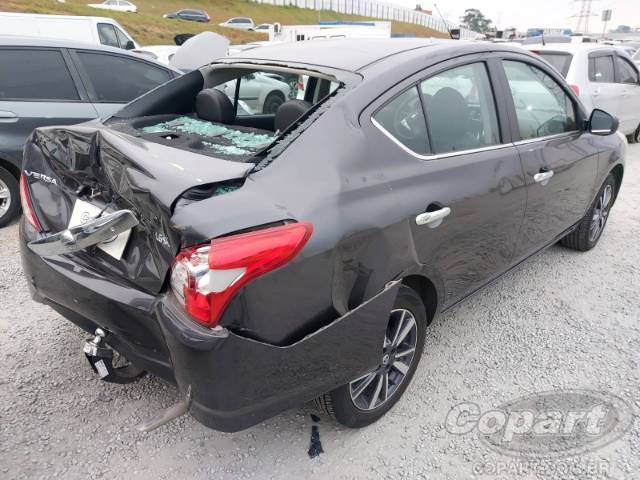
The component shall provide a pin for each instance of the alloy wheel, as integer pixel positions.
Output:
(375, 388)
(5, 198)
(600, 213)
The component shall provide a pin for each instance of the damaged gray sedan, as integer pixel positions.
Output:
(263, 260)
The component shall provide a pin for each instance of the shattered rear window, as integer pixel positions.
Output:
(222, 139)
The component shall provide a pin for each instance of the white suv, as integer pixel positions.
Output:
(602, 76)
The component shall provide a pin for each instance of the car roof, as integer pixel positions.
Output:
(569, 47)
(27, 41)
(354, 54)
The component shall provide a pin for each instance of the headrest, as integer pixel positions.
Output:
(289, 112)
(214, 106)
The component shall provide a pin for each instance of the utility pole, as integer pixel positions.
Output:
(446, 25)
(582, 24)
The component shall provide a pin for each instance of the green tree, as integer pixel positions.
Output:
(474, 20)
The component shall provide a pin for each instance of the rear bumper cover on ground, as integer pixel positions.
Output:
(235, 381)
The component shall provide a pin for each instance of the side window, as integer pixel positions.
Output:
(107, 35)
(122, 38)
(403, 119)
(601, 69)
(542, 106)
(107, 72)
(460, 108)
(626, 72)
(21, 76)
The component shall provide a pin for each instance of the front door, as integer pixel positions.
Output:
(559, 161)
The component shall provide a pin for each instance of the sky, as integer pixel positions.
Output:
(523, 14)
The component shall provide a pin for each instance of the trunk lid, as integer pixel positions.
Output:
(114, 171)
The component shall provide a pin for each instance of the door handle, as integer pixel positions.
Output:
(543, 177)
(596, 92)
(433, 219)
(8, 117)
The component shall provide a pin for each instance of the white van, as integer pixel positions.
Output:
(96, 30)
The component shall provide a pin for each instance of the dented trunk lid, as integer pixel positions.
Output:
(115, 171)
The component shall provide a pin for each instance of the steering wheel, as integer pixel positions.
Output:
(407, 120)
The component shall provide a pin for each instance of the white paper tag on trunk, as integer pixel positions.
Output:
(85, 211)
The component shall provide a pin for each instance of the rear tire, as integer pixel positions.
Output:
(9, 197)
(272, 102)
(357, 405)
(589, 230)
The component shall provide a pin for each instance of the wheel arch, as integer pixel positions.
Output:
(427, 291)
(618, 173)
(10, 167)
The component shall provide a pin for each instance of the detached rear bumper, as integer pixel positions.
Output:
(235, 382)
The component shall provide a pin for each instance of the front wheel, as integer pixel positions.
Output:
(589, 230)
(367, 398)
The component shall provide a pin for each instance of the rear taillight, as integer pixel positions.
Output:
(205, 278)
(27, 207)
(576, 89)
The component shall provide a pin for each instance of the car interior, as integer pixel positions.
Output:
(239, 112)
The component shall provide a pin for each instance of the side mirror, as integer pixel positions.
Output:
(601, 123)
(129, 45)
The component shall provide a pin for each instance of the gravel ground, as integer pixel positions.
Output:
(563, 320)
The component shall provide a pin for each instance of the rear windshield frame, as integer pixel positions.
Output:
(564, 68)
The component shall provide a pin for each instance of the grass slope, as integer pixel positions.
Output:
(148, 27)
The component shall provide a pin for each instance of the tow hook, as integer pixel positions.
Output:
(100, 357)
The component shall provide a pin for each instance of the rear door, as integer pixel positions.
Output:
(627, 76)
(605, 93)
(114, 80)
(458, 177)
(559, 160)
(38, 87)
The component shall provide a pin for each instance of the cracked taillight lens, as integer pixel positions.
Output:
(205, 278)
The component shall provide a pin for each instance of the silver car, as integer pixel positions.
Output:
(241, 23)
